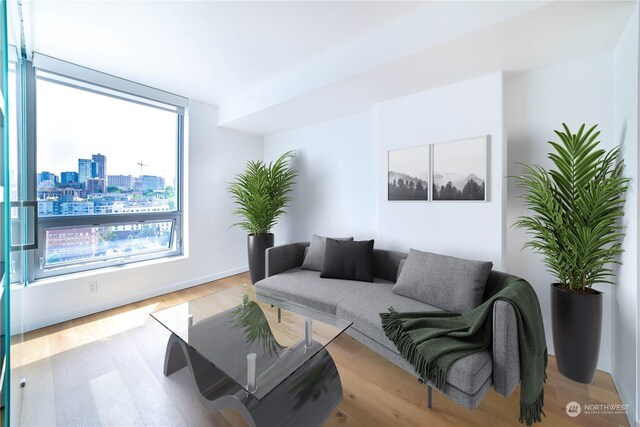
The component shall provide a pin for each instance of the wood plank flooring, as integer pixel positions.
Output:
(106, 369)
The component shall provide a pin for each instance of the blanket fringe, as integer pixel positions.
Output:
(531, 412)
(428, 370)
(391, 323)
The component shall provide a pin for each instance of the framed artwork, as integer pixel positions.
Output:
(408, 174)
(459, 170)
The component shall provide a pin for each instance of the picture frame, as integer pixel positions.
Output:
(408, 172)
(459, 171)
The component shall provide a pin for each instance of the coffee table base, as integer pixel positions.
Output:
(307, 397)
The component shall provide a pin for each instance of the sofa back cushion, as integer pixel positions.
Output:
(386, 264)
(348, 260)
(450, 283)
(314, 256)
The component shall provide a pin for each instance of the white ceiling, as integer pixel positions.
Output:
(515, 38)
(203, 50)
(273, 66)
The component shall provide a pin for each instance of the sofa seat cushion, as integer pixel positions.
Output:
(307, 288)
(471, 372)
(467, 374)
(364, 308)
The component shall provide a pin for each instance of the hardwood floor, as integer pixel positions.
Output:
(106, 369)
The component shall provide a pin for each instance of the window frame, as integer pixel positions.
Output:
(18, 259)
(107, 85)
(108, 220)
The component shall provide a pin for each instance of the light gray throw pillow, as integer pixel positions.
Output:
(314, 259)
(453, 284)
(402, 262)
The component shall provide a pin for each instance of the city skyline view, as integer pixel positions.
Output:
(81, 174)
(95, 167)
(92, 190)
(103, 155)
(74, 124)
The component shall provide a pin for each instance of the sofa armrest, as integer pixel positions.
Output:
(506, 353)
(284, 257)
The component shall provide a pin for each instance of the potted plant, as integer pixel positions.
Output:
(576, 209)
(261, 194)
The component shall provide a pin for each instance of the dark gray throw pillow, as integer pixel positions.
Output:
(453, 284)
(315, 254)
(348, 260)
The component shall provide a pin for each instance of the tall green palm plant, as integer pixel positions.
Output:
(576, 209)
(261, 193)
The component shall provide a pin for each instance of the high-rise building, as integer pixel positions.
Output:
(124, 182)
(86, 170)
(151, 182)
(47, 180)
(101, 165)
(47, 176)
(96, 185)
(69, 177)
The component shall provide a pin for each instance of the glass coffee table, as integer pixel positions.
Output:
(260, 355)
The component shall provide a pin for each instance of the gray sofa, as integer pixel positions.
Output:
(468, 380)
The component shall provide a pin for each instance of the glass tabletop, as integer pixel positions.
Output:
(256, 340)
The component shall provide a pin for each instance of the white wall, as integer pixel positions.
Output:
(625, 133)
(536, 103)
(462, 110)
(336, 191)
(343, 165)
(213, 156)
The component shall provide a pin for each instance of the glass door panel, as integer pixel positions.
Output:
(4, 218)
(21, 213)
(21, 233)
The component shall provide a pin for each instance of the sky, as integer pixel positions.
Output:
(411, 161)
(74, 123)
(461, 157)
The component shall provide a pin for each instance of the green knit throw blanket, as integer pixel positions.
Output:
(432, 341)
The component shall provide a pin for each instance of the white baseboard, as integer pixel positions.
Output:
(624, 397)
(32, 324)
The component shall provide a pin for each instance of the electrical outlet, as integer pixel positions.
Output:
(93, 287)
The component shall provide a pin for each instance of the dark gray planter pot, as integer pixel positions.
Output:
(257, 245)
(577, 326)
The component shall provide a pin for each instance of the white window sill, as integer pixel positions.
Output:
(106, 270)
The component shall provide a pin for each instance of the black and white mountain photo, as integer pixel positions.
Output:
(409, 173)
(460, 170)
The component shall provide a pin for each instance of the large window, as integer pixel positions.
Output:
(108, 171)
